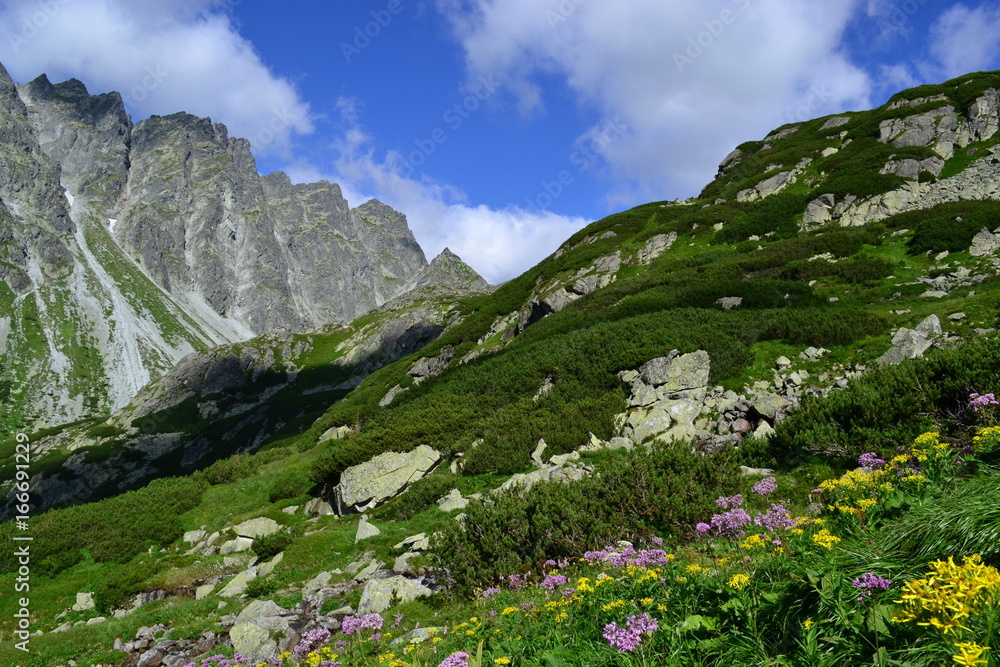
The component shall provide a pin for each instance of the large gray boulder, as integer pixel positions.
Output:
(255, 628)
(259, 527)
(379, 594)
(985, 243)
(364, 486)
(655, 247)
(912, 343)
(669, 394)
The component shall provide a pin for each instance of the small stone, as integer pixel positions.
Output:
(957, 317)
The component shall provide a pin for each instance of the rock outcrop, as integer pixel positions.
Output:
(912, 343)
(667, 398)
(367, 485)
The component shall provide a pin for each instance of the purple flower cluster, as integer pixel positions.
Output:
(870, 583)
(311, 640)
(766, 486)
(623, 557)
(516, 582)
(489, 592)
(727, 524)
(978, 402)
(368, 621)
(870, 461)
(455, 660)
(775, 519)
(732, 502)
(552, 582)
(629, 638)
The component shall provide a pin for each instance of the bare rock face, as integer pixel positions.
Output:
(124, 248)
(383, 477)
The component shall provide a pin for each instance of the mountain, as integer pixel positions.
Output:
(833, 293)
(127, 247)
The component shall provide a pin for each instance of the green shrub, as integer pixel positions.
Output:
(288, 485)
(269, 546)
(121, 584)
(114, 530)
(421, 495)
(776, 214)
(939, 231)
(665, 490)
(891, 404)
(261, 587)
(233, 469)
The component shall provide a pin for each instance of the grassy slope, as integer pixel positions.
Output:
(648, 311)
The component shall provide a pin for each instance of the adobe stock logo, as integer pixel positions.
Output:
(363, 35)
(35, 22)
(714, 28)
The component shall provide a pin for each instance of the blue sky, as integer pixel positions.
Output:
(499, 127)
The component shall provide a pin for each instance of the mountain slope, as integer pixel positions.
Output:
(127, 247)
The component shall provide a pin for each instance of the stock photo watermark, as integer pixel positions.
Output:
(454, 117)
(562, 13)
(151, 80)
(816, 97)
(698, 43)
(21, 496)
(364, 35)
(583, 159)
(895, 15)
(34, 22)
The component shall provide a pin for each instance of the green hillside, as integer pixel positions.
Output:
(822, 318)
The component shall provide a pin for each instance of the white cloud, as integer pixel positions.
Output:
(965, 40)
(164, 56)
(498, 243)
(691, 80)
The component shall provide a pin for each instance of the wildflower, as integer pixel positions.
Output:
(825, 539)
(871, 461)
(703, 527)
(730, 503)
(617, 604)
(501, 661)
(645, 602)
(489, 592)
(455, 660)
(808, 624)
(738, 581)
(766, 486)
(949, 595)
(312, 639)
(869, 583)
(629, 638)
(776, 518)
(970, 653)
(695, 568)
(552, 582)
(753, 542)
(978, 402)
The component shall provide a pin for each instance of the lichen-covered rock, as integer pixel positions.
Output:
(259, 527)
(912, 343)
(366, 485)
(366, 530)
(378, 594)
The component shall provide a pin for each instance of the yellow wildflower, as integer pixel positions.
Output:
(502, 661)
(613, 605)
(970, 653)
(754, 542)
(808, 624)
(738, 581)
(509, 610)
(825, 539)
(645, 602)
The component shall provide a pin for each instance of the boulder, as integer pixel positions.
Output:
(194, 536)
(383, 477)
(729, 302)
(536, 456)
(453, 501)
(335, 433)
(655, 247)
(985, 243)
(258, 527)
(84, 602)
(379, 594)
(318, 507)
(912, 343)
(253, 641)
(365, 530)
(769, 405)
(671, 394)
(204, 591)
(763, 432)
(431, 366)
(391, 394)
(418, 542)
(238, 585)
(236, 545)
(402, 564)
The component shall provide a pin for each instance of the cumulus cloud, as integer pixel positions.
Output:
(691, 80)
(164, 56)
(498, 243)
(965, 40)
